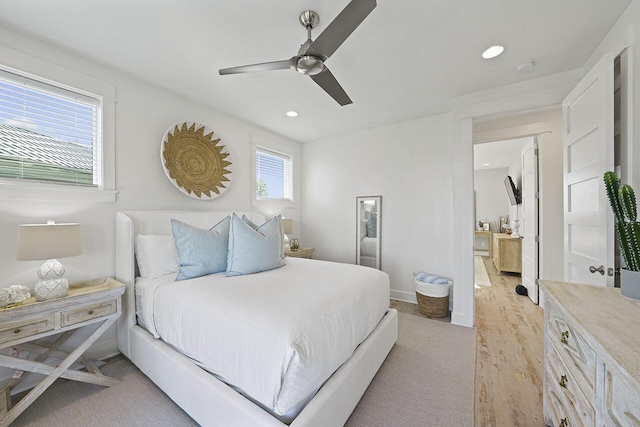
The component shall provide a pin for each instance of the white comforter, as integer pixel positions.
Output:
(277, 335)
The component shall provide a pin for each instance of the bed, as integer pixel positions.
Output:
(205, 397)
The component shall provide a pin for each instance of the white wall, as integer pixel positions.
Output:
(143, 114)
(492, 200)
(409, 165)
(626, 34)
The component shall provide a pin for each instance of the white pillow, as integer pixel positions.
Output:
(156, 255)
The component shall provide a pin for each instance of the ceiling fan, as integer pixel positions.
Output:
(313, 53)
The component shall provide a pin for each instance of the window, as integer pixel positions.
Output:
(49, 133)
(274, 175)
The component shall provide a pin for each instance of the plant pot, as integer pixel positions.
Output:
(630, 283)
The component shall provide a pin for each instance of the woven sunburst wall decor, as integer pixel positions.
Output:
(199, 165)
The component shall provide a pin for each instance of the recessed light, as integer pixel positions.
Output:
(486, 164)
(292, 114)
(492, 52)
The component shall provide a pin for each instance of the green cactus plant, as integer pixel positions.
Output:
(623, 203)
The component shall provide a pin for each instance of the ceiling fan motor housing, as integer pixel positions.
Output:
(310, 65)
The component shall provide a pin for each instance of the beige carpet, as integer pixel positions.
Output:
(427, 380)
(480, 271)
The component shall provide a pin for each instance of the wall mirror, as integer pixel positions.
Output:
(368, 230)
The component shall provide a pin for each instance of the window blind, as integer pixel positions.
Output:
(48, 133)
(274, 178)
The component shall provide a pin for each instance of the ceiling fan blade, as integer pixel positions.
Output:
(330, 85)
(265, 66)
(340, 28)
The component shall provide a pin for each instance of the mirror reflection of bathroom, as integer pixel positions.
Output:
(368, 231)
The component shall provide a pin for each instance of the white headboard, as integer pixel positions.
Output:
(131, 223)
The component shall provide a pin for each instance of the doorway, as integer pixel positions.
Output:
(497, 185)
(503, 147)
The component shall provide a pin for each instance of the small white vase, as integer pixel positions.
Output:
(514, 229)
(630, 283)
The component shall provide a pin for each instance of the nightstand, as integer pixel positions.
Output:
(89, 302)
(300, 253)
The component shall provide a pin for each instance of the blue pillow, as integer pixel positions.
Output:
(201, 252)
(255, 227)
(372, 225)
(248, 221)
(255, 250)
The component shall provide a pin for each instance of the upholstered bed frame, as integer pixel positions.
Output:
(206, 399)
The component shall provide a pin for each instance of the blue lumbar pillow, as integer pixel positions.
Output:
(201, 252)
(252, 250)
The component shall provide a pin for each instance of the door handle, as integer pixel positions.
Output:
(600, 269)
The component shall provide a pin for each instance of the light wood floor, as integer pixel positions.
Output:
(509, 353)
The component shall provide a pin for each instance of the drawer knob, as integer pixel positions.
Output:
(564, 339)
(90, 311)
(16, 331)
(563, 381)
(563, 423)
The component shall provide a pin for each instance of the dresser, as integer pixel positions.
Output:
(592, 356)
(507, 253)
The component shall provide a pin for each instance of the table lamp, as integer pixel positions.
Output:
(48, 242)
(288, 229)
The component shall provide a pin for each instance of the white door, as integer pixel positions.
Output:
(529, 221)
(588, 153)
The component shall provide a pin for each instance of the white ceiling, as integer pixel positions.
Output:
(406, 61)
(500, 154)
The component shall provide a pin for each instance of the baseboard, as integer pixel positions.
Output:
(481, 253)
(103, 350)
(404, 296)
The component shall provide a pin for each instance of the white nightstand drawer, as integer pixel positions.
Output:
(15, 331)
(71, 317)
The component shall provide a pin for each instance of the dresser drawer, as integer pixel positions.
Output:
(573, 349)
(88, 312)
(621, 402)
(575, 405)
(554, 413)
(18, 330)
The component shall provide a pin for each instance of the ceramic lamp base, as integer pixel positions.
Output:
(51, 269)
(50, 289)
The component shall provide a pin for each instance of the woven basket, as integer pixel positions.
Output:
(433, 307)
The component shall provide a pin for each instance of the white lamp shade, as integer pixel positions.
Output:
(288, 225)
(48, 241)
